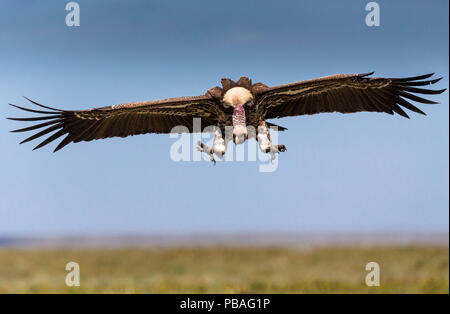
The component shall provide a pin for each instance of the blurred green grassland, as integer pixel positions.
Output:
(412, 269)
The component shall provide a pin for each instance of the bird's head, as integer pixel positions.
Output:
(238, 97)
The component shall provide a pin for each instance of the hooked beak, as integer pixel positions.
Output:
(239, 138)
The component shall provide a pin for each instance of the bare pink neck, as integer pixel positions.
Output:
(238, 116)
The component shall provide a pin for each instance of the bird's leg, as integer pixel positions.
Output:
(218, 148)
(265, 144)
(276, 149)
(206, 149)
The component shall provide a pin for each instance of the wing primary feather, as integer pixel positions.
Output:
(413, 78)
(391, 103)
(63, 143)
(388, 97)
(51, 138)
(366, 74)
(422, 90)
(416, 98)
(38, 104)
(43, 132)
(418, 83)
(399, 110)
(36, 118)
(37, 126)
(32, 110)
(409, 106)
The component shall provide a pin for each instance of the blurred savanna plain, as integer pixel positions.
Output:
(223, 269)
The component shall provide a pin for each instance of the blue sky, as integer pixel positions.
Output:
(360, 172)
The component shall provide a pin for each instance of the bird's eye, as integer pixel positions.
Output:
(249, 103)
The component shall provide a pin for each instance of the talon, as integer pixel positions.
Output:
(200, 146)
(208, 150)
(278, 149)
(211, 157)
(272, 157)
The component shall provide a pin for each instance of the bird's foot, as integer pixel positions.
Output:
(279, 148)
(276, 149)
(206, 149)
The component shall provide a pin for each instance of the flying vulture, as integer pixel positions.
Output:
(241, 107)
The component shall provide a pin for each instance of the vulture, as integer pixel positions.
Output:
(235, 111)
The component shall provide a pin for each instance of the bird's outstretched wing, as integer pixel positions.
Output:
(345, 93)
(158, 116)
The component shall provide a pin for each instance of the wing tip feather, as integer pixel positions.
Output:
(43, 106)
(366, 74)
